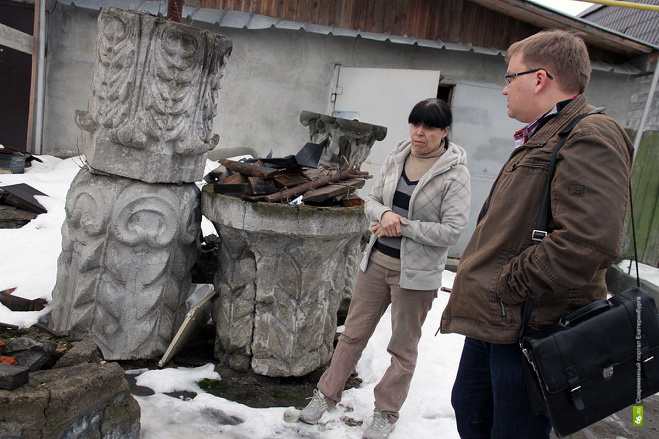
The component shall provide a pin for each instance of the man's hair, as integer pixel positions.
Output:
(563, 54)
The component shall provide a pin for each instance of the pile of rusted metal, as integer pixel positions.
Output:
(289, 180)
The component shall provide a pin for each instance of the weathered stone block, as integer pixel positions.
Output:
(28, 352)
(82, 351)
(13, 377)
(85, 400)
(155, 88)
(281, 281)
(124, 271)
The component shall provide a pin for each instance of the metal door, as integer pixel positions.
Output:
(382, 97)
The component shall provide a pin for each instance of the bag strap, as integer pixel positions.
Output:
(631, 215)
(540, 230)
(541, 224)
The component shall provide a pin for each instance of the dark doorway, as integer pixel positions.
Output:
(15, 77)
(445, 93)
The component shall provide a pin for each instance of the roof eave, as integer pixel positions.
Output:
(545, 18)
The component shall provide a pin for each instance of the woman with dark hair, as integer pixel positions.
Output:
(419, 206)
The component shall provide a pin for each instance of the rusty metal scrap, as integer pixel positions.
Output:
(15, 303)
(256, 182)
(302, 188)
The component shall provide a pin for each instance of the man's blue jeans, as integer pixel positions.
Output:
(489, 396)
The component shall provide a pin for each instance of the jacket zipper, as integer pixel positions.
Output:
(503, 311)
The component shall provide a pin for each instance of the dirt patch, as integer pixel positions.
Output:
(246, 388)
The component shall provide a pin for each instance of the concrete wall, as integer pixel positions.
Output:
(274, 74)
(638, 100)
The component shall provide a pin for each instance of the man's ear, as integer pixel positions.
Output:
(541, 81)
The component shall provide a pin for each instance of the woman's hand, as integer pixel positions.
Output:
(390, 225)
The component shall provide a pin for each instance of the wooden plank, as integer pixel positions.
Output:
(359, 15)
(15, 39)
(233, 184)
(234, 179)
(314, 10)
(333, 190)
(325, 9)
(456, 21)
(290, 180)
(645, 196)
(379, 14)
(238, 189)
(261, 186)
(648, 223)
(433, 19)
(302, 11)
(312, 173)
(400, 19)
(294, 192)
(344, 15)
(286, 10)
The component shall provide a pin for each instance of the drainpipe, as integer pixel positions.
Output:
(41, 64)
(646, 110)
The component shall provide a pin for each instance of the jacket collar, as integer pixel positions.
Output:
(578, 105)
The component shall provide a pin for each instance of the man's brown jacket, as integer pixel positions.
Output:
(500, 267)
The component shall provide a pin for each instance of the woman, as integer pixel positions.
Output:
(418, 206)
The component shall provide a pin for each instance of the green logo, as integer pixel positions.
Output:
(638, 416)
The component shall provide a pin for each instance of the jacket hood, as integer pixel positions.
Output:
(455, 155)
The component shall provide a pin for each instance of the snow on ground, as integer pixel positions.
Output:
(29, 256)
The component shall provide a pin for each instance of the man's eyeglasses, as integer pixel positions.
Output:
(509, 78)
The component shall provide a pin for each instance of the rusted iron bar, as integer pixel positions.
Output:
(175, 10)
(16, 303)
(249, 169)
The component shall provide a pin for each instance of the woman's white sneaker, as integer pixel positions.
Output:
(315, 409)
(380, 427)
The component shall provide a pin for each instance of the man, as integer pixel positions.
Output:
(500, 267)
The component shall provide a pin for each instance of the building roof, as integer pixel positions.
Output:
(640, 24)
(449, 24)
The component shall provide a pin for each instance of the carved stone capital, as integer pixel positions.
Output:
(154, 94)
(349, 140)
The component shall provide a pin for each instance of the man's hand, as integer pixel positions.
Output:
(390, 225)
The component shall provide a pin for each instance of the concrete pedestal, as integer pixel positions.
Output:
(281, 281)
